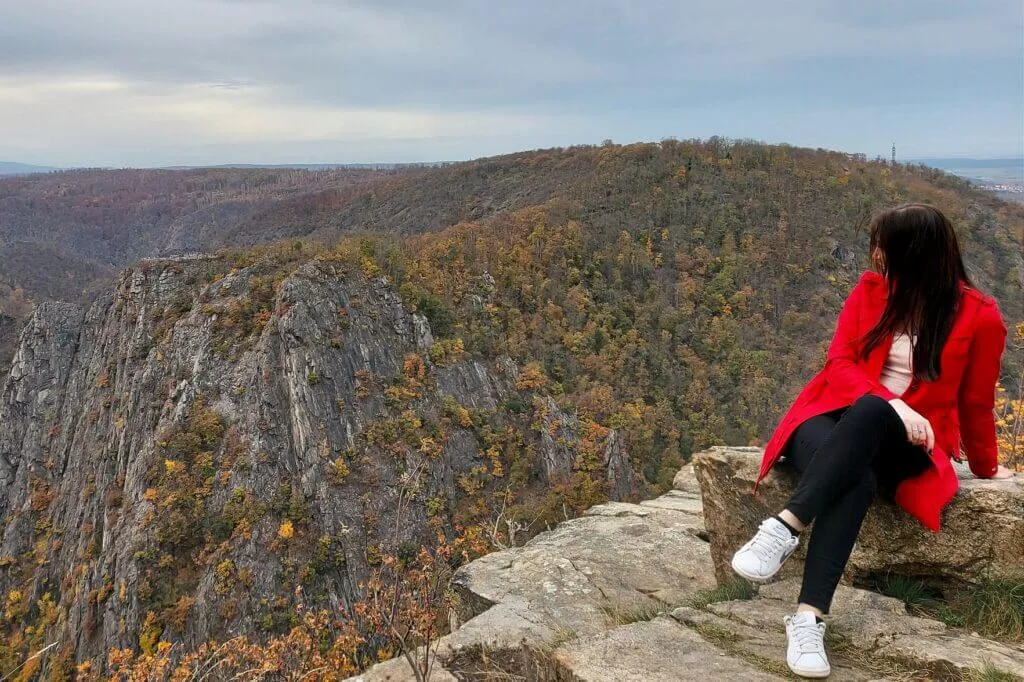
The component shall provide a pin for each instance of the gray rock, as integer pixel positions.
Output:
(983, 528)
(399, 670)
(613, 560)
(660, 650)
(877, 627)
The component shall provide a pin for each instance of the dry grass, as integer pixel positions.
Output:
(992, 674)
(624, 614)
(736, 590)
(992, 607)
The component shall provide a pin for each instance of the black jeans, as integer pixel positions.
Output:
(845, 457)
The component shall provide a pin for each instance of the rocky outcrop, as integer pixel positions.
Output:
(189, 455)
(983, 528)
(626, 593)
(869, 635)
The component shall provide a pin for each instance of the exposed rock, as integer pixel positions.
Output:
(983, 528)
(299, 376)
(567, 579)
(399, 670)
(605, 598)
(659, 650)
(866, 627)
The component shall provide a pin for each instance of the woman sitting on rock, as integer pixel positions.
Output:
(911, 370)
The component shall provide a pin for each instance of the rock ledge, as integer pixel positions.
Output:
(610, 597)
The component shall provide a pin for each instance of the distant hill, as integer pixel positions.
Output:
(963, 162)
(12, 168)
(90, 222)
(317, 166)
(63, 232)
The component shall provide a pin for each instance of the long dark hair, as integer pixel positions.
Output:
(924, 270)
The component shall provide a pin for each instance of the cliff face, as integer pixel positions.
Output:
(193, 451)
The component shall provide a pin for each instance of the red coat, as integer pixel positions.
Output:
(959, 404)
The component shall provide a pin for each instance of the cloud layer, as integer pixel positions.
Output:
(122, 82)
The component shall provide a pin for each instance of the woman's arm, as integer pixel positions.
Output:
(976, 399)
(847, 379)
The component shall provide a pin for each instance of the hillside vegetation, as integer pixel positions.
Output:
(681, 292)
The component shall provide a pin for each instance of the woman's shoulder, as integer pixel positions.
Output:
(980, 298)
(871, 278)
(869, 284)
(986, 308)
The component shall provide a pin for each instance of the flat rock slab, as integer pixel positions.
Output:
(983, 528)
(659, 650)
(870, 627)
(767, 646)
(588, 602)
(676, 501)
(613, 562)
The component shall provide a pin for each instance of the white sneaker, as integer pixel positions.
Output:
(805, 653)
(762, 557)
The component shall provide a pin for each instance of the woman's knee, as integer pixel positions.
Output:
(874, 407)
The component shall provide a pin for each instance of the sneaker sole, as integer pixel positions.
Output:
(811, 674)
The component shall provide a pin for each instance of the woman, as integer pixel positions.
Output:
(911, 370)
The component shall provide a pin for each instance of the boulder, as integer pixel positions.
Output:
(574, 578)
(982, 531)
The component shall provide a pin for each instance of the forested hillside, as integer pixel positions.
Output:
(683, 292)
(432, 364)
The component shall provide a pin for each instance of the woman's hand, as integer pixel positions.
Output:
(1002, 472)
(919, 429)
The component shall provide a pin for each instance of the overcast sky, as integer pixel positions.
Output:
(163, 82)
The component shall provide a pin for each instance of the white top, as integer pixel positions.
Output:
(897, 373)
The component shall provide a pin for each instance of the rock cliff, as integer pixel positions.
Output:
(183, 458)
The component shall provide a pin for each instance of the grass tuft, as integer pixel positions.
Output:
(736, 590)
(620, 614)
(993, 607)
(911, 592)
(991, 674)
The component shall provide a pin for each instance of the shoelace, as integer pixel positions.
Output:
(809, 638)
(766, 545)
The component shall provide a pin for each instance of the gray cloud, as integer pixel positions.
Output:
(463, 70)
